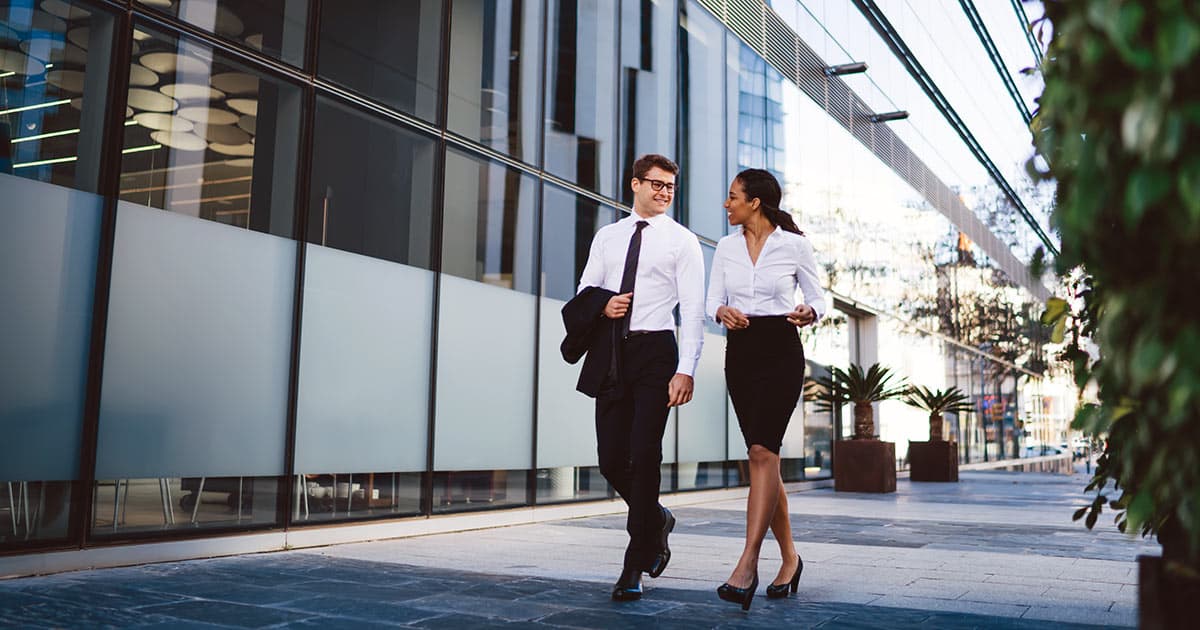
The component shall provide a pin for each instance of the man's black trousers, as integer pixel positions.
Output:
(630, 419)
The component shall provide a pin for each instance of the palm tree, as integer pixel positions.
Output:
(938, 402)
(877, 383)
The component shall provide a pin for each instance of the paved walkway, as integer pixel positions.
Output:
(997, 550)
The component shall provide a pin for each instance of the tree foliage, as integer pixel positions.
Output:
(1119, 127)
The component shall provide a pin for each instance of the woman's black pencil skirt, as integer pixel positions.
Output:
(764, 369)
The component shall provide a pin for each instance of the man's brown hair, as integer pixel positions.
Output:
(651, 160)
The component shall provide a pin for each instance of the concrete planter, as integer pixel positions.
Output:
(864, 466)
(933, 461)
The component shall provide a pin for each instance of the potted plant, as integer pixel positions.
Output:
(1118, 131)
(937, 459)
(864, 463)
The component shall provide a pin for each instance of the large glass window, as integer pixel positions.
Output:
(389, 51)
(274, 27)
(193, 410)
(566, 438)
(581, 106)
(372, 186)
(196, 366)
(648, 55)
(50, 143)
(195, 143)
(495, 78)
(486, 336)
(702, 62)
(49, 61)
(748, 72)
(362, 418)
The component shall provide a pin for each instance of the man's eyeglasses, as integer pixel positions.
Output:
(657, 185)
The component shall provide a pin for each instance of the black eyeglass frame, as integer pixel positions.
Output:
(657, 184)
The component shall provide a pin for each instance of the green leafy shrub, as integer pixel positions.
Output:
(1119, 128)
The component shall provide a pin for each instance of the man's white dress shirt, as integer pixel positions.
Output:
(670, 271)
(767, 287)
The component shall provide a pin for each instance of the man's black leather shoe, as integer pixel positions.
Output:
(659, 563)
(629, 586)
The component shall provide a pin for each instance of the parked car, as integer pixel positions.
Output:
(1038, 450)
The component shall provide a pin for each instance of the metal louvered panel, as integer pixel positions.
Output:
(766, 33)
(779, 44)
(745, 17)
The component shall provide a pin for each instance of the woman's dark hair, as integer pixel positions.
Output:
(760, 184)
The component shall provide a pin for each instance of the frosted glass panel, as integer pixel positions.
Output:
(199, 336)
(668, 442)
(793, 439)
(484, 377)
(47, 272)
(702, 421)
(566, 418)
(364, 364)
(737, 444)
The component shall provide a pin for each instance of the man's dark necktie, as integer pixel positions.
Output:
(629, 275)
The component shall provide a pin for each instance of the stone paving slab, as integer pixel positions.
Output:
(995, 551)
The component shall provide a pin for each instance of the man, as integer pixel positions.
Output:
(641, 267)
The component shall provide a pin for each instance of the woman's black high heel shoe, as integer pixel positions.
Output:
(737, 595)
(775, 591)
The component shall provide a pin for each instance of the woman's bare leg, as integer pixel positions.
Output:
(781, 527)
(761, 507)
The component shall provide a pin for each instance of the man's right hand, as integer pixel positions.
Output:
(618, 306)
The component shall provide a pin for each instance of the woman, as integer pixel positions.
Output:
(751, 291)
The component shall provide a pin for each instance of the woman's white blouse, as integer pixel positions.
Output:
(767, 287)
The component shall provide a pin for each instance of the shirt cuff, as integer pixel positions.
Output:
(687, 367)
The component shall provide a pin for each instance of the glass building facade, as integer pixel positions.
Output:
(284, 263)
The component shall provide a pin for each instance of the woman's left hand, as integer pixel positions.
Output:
(803, 315)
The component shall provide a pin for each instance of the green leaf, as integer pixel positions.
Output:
(1176, 42)
(1141, 509)
(1189, 188)
(1146, 187)
(1059, 332)
(1079, 513)
(1055, 309)
(1147, 359)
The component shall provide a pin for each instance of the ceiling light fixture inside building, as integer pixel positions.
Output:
(889, 116)
(846, 68)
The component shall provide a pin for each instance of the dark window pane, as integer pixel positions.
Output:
(495, 79)
(372, 186)
(467, 490)
(49, 61)
(490, 222)
(275, 27)
(703, 110)
(581, 114)
(196, 144)
(387, 50)
(700, 475)
(570, 483)
(185, 503)
(321, 498)
(648, 30)
(569, 222)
